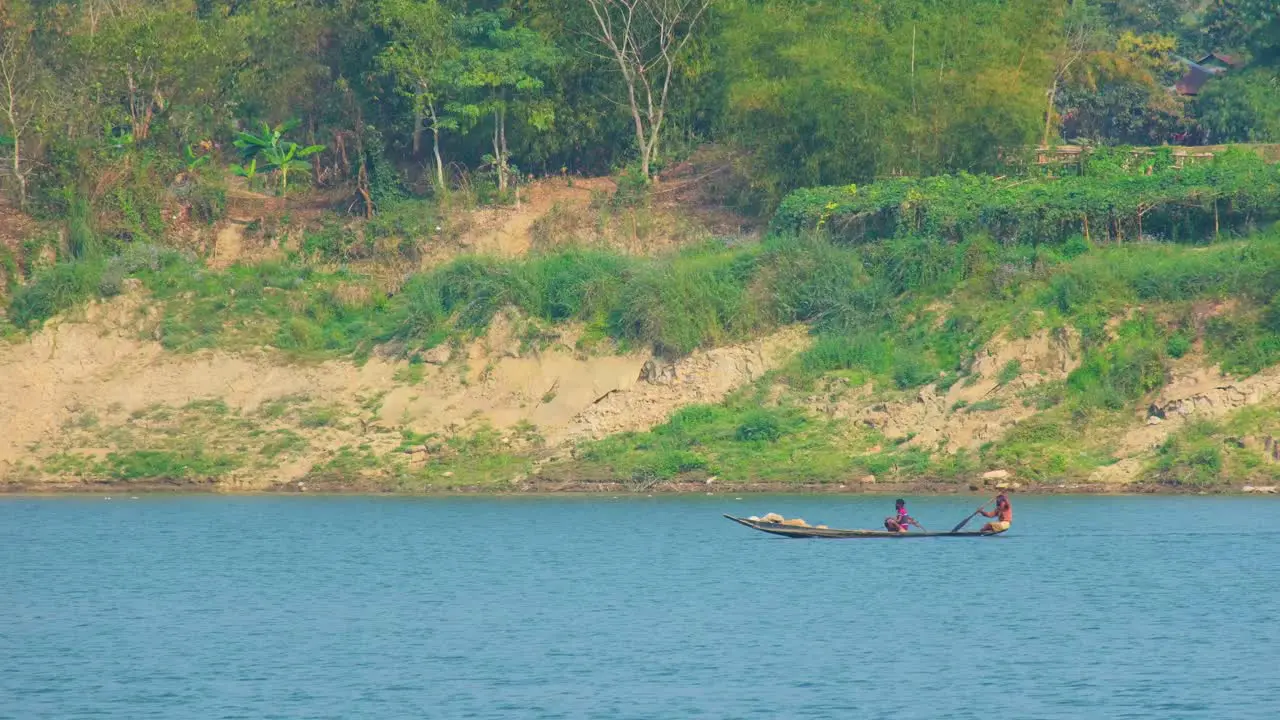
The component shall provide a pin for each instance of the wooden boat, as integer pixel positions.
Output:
(799, 531)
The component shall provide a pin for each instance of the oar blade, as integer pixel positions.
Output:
(971, 516)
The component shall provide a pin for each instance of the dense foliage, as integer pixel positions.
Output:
(134, 105)
(1119, 195)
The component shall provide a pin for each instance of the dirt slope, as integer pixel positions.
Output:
(88, 396)
(92, 387)
(968, 414)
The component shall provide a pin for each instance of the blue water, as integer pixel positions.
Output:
(215, 607)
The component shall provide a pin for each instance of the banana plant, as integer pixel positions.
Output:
(289, 156)
(251, 144)
(280, 154)
(194, 161)
(248, 172)
(5, 140)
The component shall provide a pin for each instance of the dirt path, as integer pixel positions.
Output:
(507, 231)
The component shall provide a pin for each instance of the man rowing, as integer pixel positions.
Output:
(902, 521)
(1003, 515)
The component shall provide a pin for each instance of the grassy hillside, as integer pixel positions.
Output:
(932, 356)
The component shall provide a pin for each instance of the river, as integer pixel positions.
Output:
(572, 607)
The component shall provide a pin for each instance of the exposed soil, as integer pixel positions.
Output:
(1194, 393)
(968, 414)
(93, 386)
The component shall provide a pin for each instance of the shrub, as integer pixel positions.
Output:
(60, 287)
(1009, 372)
(1178, 345)
(1118, 199)
(1127, 369)
(1192, 457)
(759, 425)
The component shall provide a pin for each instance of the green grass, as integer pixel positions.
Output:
(1113, 376)
(1009, 372)
(873, 310)
(203, 440)
(1192, 457)
(1236, 450)
(188, 463)
(985, 405)
(739, 441)
(283, 442)
(1053, 446)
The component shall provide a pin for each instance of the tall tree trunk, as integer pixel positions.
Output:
(641, 146)
(417, 125)
(502, 137)
(17, 173)
(1048, 113)
(499, 161)
(435, 145)
(11, 113)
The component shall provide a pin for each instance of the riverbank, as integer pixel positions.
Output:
(1090, 370)
(534, 488)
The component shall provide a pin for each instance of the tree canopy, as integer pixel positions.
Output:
(801, 92)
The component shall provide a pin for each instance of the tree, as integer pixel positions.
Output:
(1113, 86)
(646, 38)
(828, 92)
(21, 74)
(502, 67)
(1252, 25)
(421, 44)
(156, 59)
(1083, 33)
(1244, 106)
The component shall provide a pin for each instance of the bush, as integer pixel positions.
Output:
(1126, 370)
(847, 352)
(815, 281)
(1245, 343)
(667, 464)
(575, 284)
(1009, 372)
(1178, 345)
(61, 287)
(1192, 457)
(759, 425)
(692, 302)
(336, 242)
(1114, 377)
(1236, 189)
(912, 369)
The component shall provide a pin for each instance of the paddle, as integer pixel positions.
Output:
(975, 512)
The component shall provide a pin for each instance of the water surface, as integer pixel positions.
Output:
(215, 607)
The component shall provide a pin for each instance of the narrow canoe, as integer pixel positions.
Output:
(795, 531)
